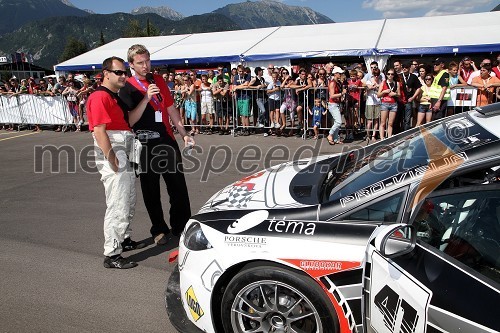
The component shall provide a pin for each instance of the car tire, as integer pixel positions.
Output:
(249, 302)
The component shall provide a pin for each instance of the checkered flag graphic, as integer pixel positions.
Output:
(239, 196)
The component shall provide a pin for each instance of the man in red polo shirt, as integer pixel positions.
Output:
(113, 140)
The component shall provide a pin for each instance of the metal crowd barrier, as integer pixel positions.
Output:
(23, 110)
(290, 121)
(286, 121)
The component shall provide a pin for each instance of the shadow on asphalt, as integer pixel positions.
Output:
(152, 250)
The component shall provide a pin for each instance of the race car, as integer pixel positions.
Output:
(282, 250)
(415, 284)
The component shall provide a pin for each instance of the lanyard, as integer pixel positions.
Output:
(154, 99)
(405, 78)
(389, 85)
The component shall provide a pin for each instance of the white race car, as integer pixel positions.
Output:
(282, 250)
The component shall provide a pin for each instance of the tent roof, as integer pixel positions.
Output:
(320, 40)
(119, 48)
(468, 33)
(223, 46)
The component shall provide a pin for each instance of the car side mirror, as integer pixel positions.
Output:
(397, 241)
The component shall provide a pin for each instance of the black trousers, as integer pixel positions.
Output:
(162, 158)
(441, 113)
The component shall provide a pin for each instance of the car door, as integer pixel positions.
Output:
(440, 273)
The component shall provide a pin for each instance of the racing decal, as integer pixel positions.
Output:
(291, 227)
(245, 241)
(274, 225)
(345, 315)
(248, 221)
(193, 305)
(210, 275)
(442, 166)
(398, 303)
(318, 268)
(243, 191)
(183, 259)
(436, 149)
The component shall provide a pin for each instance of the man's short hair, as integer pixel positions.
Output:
(107, 64)
(135, 50)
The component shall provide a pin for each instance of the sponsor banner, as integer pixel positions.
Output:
(318, 268)
(463, 97)
(3, 60)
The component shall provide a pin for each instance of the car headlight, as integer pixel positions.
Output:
(194, 238)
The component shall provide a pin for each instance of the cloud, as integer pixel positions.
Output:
(398, 8)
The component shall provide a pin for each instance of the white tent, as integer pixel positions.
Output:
(463, 34)
(226, 46)
(467, 33)
(321, 40)
(94, 58)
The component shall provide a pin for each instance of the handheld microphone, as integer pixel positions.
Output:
(151, 79)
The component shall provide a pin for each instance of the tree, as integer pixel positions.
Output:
(101, 40)
(72, 49)
(151, 30)
(134, 29)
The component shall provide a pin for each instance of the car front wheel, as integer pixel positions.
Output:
(275, 299)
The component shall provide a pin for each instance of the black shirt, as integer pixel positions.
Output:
(132, 97)
(410, 84)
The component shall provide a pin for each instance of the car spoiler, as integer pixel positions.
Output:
(489, 110)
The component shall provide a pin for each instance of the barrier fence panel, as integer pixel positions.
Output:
(10, 112)
(34, 109)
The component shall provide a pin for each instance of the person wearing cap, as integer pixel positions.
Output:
(335, 92)
(411, 89)
(440, 90)
(466, 68)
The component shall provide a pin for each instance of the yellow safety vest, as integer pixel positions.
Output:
(436, 89)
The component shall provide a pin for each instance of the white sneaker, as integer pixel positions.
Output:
(276, 125)
(259, 125)
(266, 134)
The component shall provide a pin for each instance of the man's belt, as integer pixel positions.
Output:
(144, 135)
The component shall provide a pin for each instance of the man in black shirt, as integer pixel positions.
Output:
(160, 154)
(411, 88)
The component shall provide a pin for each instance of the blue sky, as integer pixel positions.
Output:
(337, 10)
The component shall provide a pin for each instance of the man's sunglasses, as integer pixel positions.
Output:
(117, 72)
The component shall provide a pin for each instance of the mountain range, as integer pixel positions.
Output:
(42, 27)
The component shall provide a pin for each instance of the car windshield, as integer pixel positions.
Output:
(366, 167)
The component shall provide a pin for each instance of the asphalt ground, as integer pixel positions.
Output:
(51, 221)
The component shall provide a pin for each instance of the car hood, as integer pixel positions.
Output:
(272, 188)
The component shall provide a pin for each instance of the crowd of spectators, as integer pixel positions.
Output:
(278, 101)
(274, 101)
(75, 93)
